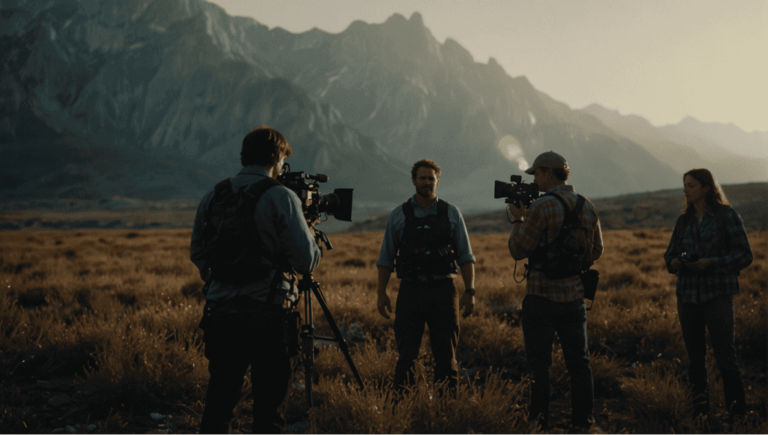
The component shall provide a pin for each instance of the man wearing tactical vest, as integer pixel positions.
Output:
(249, 239)
(424, 239)
(554, 297)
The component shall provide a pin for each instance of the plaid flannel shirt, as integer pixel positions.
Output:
(542, 226)
(704, 239)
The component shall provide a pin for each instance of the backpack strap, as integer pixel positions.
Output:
(259, 188)
(562, 201)
(222, 188)
(570, 215)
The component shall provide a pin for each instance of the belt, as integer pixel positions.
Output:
(241, 305)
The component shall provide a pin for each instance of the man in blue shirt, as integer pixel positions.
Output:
(247, 318)
(424, 239)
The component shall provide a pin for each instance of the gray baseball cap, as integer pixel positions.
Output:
(550, 159)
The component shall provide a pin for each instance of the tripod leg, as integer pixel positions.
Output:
(342, 343)
(308, 348)
(308, 357)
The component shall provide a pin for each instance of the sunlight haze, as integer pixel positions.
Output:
(661, 60)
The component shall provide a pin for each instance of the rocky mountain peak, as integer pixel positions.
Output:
(181, 78)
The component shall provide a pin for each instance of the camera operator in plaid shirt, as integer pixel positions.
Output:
(554, 305)
(707, 259)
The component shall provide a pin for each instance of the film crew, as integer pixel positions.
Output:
(708, 248)
(249, 237)
(554, 297)
(424, 239)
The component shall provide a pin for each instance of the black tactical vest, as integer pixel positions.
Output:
(426, 247)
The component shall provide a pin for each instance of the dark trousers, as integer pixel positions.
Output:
(541, 318)
(718, 318)
(435, 304)
(232, 343)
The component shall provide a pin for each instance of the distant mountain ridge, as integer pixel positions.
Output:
(731, 154)
(650, 210)
(180, 82)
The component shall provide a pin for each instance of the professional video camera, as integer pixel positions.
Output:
(338, 204)
(516, 192)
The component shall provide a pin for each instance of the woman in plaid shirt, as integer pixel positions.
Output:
(708, 248)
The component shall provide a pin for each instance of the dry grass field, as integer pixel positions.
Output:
(99, 334)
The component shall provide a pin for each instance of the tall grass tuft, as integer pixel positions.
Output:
(493, 408)
(343, 408)
(659, 397)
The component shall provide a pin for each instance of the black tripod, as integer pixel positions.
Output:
(306, 283)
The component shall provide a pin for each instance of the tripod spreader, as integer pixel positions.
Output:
(307, 284)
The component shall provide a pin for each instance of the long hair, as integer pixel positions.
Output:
(714, 197)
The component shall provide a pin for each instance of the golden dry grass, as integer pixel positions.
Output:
(110, 319)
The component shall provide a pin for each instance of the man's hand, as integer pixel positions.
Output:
(676, 264)
(517, 210)
(384, 306)
(467, 303)
(699, 264)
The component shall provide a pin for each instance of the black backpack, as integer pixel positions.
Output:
(231, 240)
(571, 250)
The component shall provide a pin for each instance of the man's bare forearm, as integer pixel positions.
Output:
(384, 274)
(468, 274)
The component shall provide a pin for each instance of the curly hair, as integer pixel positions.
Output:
(425, 163)
(263, 146)
(714, 197)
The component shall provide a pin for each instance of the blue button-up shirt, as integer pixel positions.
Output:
(703, 239)
(394, 234)
(283, 233)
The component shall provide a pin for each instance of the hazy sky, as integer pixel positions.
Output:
(660, 59)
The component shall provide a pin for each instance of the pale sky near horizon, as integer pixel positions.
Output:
(659, 59)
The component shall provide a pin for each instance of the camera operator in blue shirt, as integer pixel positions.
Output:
(249, 239)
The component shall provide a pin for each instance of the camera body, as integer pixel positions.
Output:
(516, 192)
(686, 257)
(337, 204)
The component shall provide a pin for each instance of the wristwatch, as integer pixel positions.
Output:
(470, 291)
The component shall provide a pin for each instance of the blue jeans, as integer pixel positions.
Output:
(541, 318)
(717, 316)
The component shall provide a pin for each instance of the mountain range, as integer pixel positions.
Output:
(150, 99)
(648, 210)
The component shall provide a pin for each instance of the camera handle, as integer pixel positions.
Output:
(322, 237)
(308, 286)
